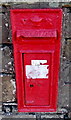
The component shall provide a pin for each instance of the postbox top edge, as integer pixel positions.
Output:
(37, 10)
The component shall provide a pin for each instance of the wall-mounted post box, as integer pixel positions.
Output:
(36, 35)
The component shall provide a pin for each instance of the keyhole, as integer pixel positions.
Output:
(31, 85)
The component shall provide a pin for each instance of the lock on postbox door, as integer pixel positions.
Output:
(36, 35)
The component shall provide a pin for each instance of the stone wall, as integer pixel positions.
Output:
(7, 72)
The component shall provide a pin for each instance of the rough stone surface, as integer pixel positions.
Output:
(0, 19)
(32, 1)
(68, 49)
(8, 89)
(0, 34)
(64, 79)
(0, 9)
(67, 22)
(63, 86)
(0, 89)
(6, 32)
(7, 59)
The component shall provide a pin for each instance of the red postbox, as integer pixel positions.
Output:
(36, 35)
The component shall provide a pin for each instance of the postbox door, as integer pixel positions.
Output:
(37, 78)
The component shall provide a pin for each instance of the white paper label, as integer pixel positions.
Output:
(36, 70)
(40, 71)
(38, 62)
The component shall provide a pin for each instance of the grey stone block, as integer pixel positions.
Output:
(63, 99)
(0, 34)
(0, 8)
(8, 89)
(0, 89)
(70, 25)
(67, 23)
(25, 5)
(44, 5)
(5, 29)
(54, 4)
(68, 49)
(0, 19)
(6, 59)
